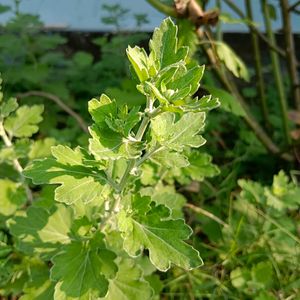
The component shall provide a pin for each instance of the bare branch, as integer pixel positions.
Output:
(206, 213)
(60, 103)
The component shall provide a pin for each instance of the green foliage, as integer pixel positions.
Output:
(95, 226)
(146, 227)
(257, 251)
(110, 218)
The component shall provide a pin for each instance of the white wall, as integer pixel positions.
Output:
(86, 14)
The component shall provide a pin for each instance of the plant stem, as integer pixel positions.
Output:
(60, 103)
(16, 162)
(206, 213)
(271, 220)
(290, 52)
(165, 9)
(294, 6)
(270, 43)
(277, 72)
(131, 164)
(148, 155)
(258, 67)
(250, 120)
(219, 33)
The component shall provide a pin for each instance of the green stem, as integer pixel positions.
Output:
(138, 137)
(165, 9)
(277, 72)
(239, 12)
(258, 67)
(290, 52)
(250, 120)
(16, 162)
(148, 155)
(219, 33)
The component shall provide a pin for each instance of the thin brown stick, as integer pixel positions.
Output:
(250, 120)
(294, 6)
(290, 51)
(258, 67)
(238, 11)
(276, 73)
(206, 213)
(60, 103)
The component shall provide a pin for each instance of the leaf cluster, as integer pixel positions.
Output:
(105, 215)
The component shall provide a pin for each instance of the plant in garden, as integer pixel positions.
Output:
(110, 211)
(254, 254)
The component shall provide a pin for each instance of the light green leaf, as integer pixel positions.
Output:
(107, 144)
(239, 277)
(187, 35)
(24, 123)
(252, 191)
(262, 273)
(228, 102)
(8, 107)
(111, 133)
(41, 230)
(163, 45)
(170, 159)
(82, 270)
(41, 148)
(102, 109)
(148, 227)
(39, 286)
(79, 183)
(200, 166)
(139, 61)
(281, 184)
(12, 197)
(128, 283)
(206, 103)
(190, 78)
(177, 135)
(232, 61)
(167, 196)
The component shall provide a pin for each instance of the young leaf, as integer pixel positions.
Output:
(107, 144)
(24, 123)
(170, 159)
(190, 78)
(39, 287)
(206, 103)
(41, 230)
(163, 45)
(111, 133)
(79, 183)
(128, 283)
(232, 61)
(200, 166)
(228, 102)
(12, 196)
(148, 227)
(102, 109)
(8, 107)
(177, 135)
(82, 269)
(139, 61)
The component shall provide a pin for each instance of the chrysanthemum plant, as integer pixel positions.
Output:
(103, 225)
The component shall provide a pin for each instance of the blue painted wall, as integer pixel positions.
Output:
(86, 14)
